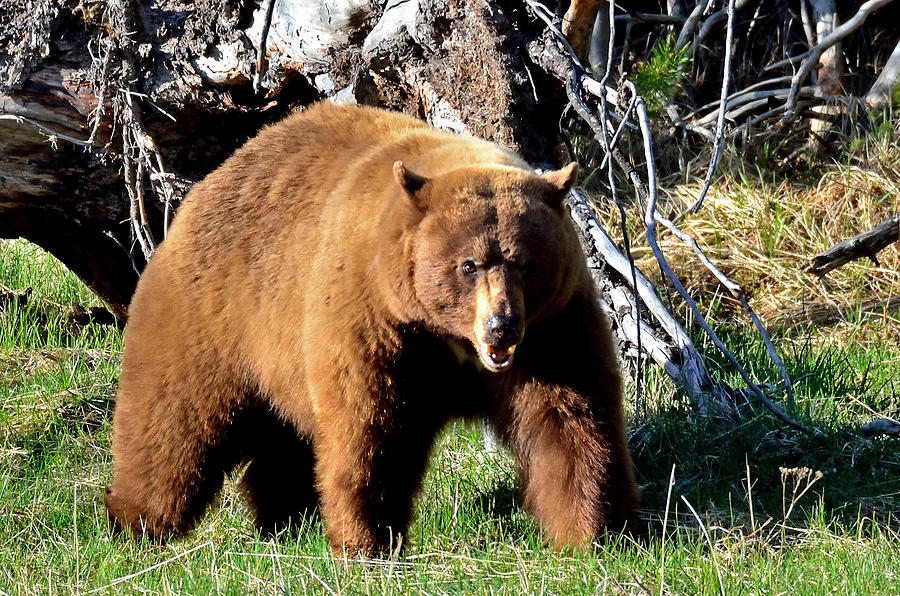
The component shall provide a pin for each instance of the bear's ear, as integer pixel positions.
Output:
(412, 183)
(561, 180)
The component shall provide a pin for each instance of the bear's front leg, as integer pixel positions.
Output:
(371, 448)
(562, 413)
(368, 472)
(574, 466)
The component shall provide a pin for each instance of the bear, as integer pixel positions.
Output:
(345, 284)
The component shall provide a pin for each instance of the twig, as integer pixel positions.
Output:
(51, 134)
(662, 562)
(623, 219)
(261, 57)
(723, 104)
(133, 137)
(867, 244)
(575, 82)
(716, 18)
(672, 111)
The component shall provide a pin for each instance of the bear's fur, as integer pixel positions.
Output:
(345, 284)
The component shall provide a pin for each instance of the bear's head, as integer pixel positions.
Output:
(491, 252)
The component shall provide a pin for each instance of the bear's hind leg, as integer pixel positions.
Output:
(171, 448)
(279, 482)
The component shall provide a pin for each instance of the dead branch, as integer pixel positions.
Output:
(879, 95)
(692, 23)
(683, 364)
(811, 57)
(650, 218)
(647, 193)
(868, 244)
(738, 293)
(723, 104)
(881, 426)
(261, 57)
(656, 19)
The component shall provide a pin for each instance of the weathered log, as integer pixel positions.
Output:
(881, 426)
(667, 344)
(867, 244)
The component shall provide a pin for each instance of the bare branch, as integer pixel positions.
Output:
(723, 103)
(811, 58)
(643, 17)
(715, 20)
(738, 293)
(879, 96)
(692, 23)
(650, 224)
(52, 135)
(261, 57)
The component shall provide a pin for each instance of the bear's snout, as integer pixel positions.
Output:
(497, 340)
(503, 331)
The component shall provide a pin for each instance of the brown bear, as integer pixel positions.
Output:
(327, 300)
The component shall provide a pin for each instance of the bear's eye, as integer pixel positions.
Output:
(530, 267)
(469, 267)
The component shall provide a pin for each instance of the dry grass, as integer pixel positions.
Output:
(762, 232)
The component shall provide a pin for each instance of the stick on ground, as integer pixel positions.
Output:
(867, 244)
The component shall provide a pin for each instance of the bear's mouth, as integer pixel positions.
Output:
(496, 358)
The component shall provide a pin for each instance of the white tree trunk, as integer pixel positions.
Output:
(828, 76)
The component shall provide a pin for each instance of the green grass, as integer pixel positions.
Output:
(57, 384)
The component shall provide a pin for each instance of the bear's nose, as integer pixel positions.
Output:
(503, 331)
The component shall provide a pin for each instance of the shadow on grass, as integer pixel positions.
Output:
(721, 470)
